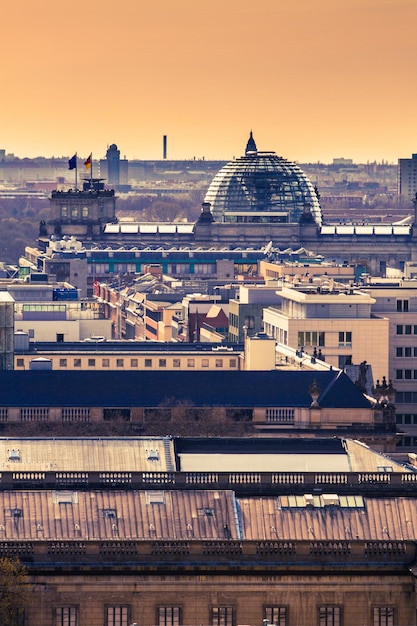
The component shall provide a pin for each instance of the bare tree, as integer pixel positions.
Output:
(14, 586)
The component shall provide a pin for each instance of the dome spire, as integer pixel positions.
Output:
(251, 145)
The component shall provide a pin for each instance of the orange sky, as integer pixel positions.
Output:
(313, 79)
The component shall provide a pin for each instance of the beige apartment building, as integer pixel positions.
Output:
(121, 355)
(396, 300)
(297, 270)
(336, 324)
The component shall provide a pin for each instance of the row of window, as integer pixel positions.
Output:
(405, 397)
(105, 362)
(221, 616)
(200, 269)
(406, 374)
(98, 269)
(407, 442)
(74, 211)
(406, 329)
(312, 338)
(406, 351)
(406, 418)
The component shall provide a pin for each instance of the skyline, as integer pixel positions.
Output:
(312, 79)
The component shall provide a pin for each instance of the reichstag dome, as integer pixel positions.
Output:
(262, 187)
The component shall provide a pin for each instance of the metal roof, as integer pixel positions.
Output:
(87, 454)
(209, 515)
(114, 515)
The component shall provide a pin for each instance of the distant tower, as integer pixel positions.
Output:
(407, 179)
(113, 165)
(81, 213)
(164, 148)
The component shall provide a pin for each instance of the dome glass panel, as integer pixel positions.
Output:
(262, 187)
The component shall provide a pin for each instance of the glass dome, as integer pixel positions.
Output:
(262, 187)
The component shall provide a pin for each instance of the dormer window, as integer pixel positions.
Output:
(14, 455)
(153, 455)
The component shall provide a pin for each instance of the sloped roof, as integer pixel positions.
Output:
(153, 388)
(379, 519)
(91, 515)
(115, 515)
(87, 454)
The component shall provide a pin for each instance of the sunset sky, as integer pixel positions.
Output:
(313, 79)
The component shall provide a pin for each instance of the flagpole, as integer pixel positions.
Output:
(91, 170)
(76, 168)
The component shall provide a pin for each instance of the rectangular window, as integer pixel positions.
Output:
(204, 362)
(233, 363)
(4, 414)
(383, 616)
(62, 362)
(148, 362)
(105, 363)
(399, 374)
(219, 362)
(190, 362)
(20, 362)
(407, 329)
(402, 305)
(18, 616)
(66, 616)
(330, 616)
(345, 339)
(91, 362)
(117, 616)
(204, 268)
(249, 322)
(311, 338)
(407, 374)
(77, 362)
(162, 362)
(408, 352)
(276, 615)
(222, 616)
(176, 362)
(398, 352)
(133, 362)
(119, 362)
(399, 329)
(343, 360)
(169, 616)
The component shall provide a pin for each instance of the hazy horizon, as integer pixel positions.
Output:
(313, 79)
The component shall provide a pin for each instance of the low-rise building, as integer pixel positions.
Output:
(336, 324)
(215, 531)
(278, 401)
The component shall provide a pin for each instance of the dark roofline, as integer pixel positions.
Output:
(240, 389)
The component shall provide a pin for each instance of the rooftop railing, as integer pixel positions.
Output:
(372, 482)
